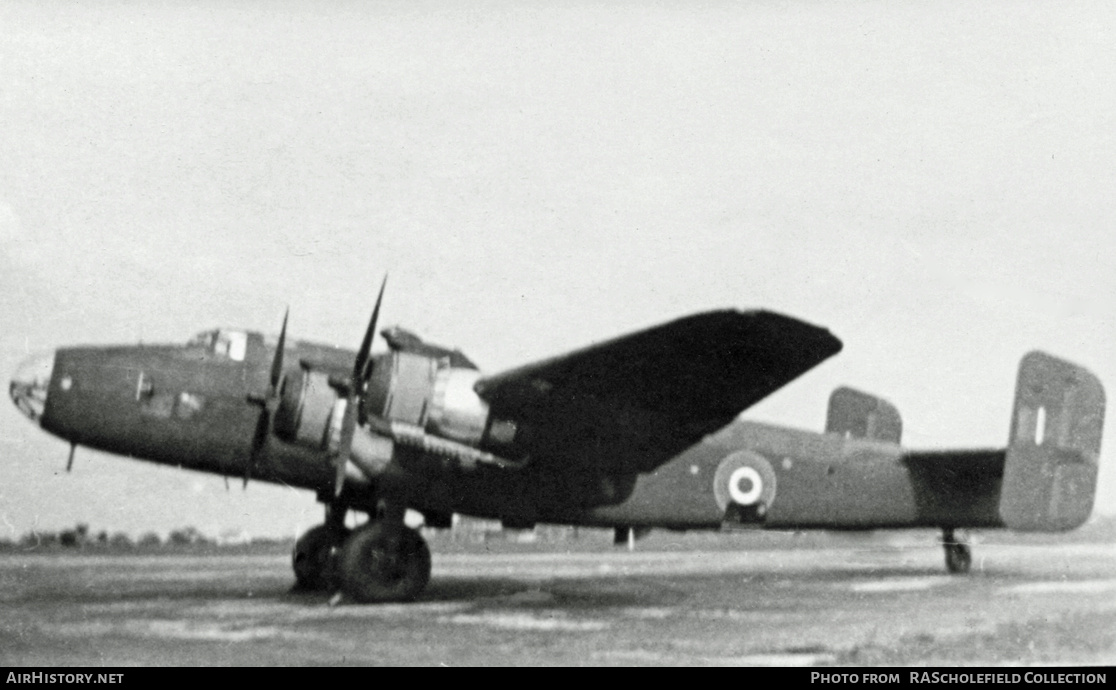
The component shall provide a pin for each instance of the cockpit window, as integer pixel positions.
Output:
(231, 344)
(226, 344)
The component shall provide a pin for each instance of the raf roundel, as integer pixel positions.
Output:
(745, 486)
(744, 479)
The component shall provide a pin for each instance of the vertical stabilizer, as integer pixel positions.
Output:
(856, 414)
(1050, 471)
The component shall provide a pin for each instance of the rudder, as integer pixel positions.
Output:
(1050, 470)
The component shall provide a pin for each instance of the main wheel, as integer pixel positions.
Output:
(384, 563)
(959, 558)
(314, 556)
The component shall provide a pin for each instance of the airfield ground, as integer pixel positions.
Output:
(671, 602)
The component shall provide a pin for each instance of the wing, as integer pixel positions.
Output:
(632, 403)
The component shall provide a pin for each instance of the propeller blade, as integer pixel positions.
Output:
(277, 363)
(362, 371)
(366, 344)
(269, 403)
(344, 446)
(259, 444)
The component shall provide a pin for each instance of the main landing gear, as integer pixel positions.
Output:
(958, 556)
(314, 558)
(315, 553)
(382, 560)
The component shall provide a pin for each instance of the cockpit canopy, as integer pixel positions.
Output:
(225, 343)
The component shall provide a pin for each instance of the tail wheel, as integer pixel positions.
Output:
(957, 554)
(959, 558)
(381, 562)
(314, 556)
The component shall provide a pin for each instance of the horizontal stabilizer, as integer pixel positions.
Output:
(855, 414)
(1050, 471)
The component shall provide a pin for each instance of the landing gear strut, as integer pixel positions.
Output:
(958, 556)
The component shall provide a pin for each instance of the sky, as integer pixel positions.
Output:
(930, 181)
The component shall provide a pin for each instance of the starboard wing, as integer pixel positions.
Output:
(631, 403)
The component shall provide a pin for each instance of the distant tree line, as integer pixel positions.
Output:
(1100, 529)
(80, 537)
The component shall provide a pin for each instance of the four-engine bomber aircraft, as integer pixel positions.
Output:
(633, 433)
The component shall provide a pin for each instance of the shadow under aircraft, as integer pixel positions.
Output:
(634, 433)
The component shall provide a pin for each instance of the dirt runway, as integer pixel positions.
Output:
(831, 606)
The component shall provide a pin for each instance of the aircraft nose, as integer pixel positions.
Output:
(30, 384)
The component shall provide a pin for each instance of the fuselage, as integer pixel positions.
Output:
(196, 406)
(185, 405)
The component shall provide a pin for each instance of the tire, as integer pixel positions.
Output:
(377, 565)
(958, 558)
(313, 559)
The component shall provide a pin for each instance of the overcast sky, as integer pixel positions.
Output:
(933, 182)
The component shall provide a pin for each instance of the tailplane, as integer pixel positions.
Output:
(1050, 470)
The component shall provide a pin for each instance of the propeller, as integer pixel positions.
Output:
(362, 372)
(269, 403)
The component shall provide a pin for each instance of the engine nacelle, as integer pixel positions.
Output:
(428, 393)
(456, 411)
(422, 398)
(310, 411)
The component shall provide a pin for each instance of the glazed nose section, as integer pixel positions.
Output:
(30, 384)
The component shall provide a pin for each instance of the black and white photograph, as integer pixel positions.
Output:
(383, 333)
